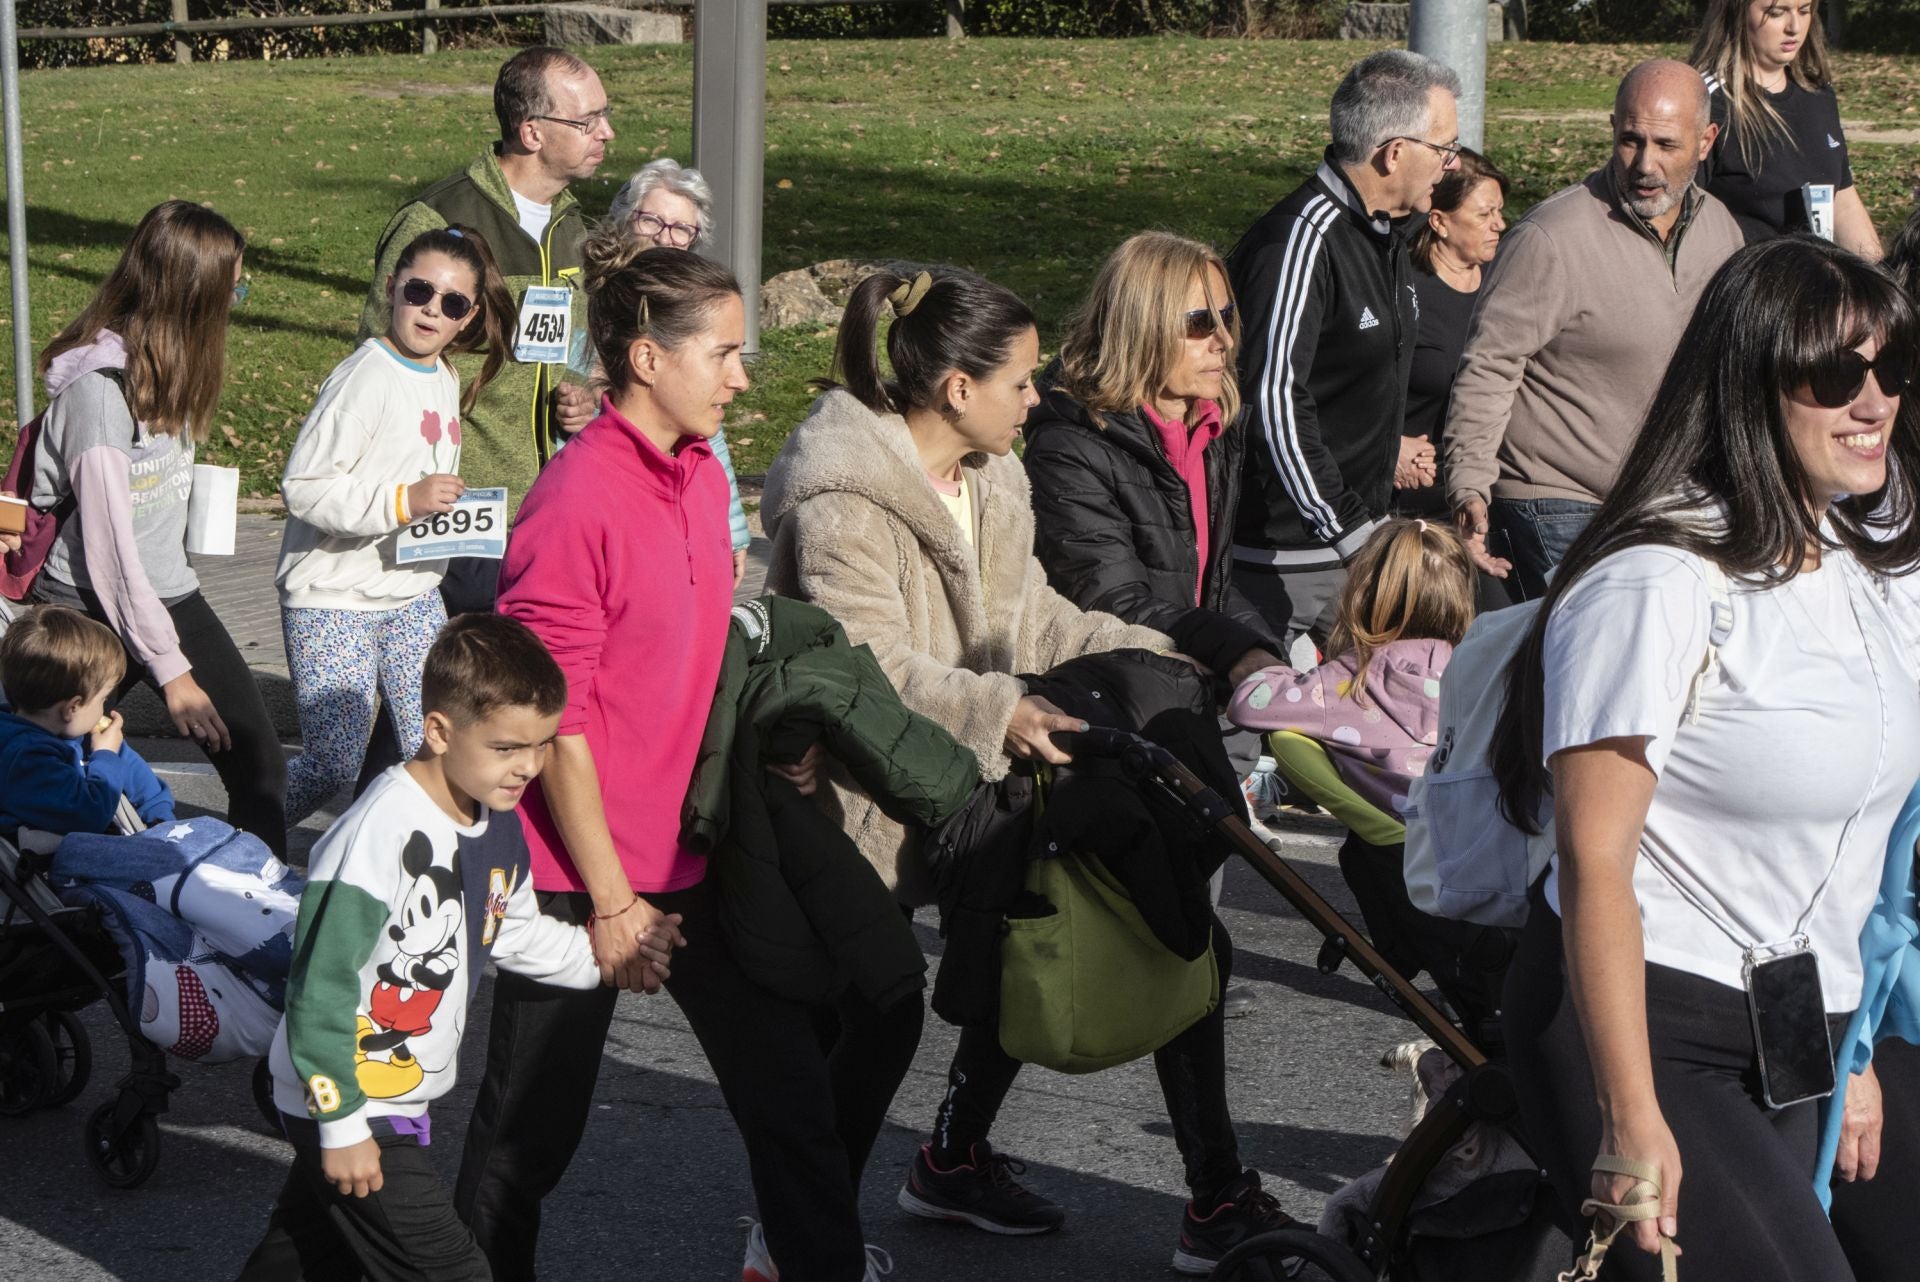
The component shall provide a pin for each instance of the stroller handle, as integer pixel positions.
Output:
(1140, 758)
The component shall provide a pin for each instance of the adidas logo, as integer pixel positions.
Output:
(1367, 318)
(1833, 143)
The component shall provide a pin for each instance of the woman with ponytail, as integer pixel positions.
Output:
(621, 564)
(898, 507)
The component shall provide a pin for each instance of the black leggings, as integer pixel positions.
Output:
(254, 769)
(1747, 1209)
(1874, 1218)
(1193, 1081)
(808, 1117)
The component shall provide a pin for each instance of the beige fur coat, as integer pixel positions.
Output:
(858, 531)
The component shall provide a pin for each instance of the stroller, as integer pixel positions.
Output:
(1482, 1092)
(57, 958)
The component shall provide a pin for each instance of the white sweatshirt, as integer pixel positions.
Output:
(381, 423)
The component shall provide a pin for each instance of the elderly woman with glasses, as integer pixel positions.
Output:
(664, 204)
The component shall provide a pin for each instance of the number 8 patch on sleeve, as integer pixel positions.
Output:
(477, 526)
(545, 327)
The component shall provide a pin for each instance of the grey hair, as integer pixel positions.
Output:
(669, 174)
(1385, 96)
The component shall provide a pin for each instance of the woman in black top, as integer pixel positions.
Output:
(1765, 64)
(1457, 240)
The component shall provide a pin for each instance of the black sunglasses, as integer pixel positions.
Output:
(1200, 323)
(1837, 379)
(419, 293)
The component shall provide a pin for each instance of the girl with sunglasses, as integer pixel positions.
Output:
(380, 449)
(1721, 696)
(134, 381)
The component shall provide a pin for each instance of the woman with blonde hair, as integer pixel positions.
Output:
(134, 381)
(1772, 98)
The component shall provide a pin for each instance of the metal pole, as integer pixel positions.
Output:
(1455, 32)
(16, 213)
(729, 135)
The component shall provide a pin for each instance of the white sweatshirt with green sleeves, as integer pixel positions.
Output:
(403, 909)
(380, 423)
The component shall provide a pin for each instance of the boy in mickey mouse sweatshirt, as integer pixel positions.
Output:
(422, 881)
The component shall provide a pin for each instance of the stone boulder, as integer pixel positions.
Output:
(817, 295)
(573, 25)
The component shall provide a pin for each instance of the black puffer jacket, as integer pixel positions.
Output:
(1114, 528)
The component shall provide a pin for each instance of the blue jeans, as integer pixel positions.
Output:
(1534, 534)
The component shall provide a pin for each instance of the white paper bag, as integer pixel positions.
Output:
(213, 510)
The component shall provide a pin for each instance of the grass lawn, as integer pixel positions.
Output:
(1024, 159)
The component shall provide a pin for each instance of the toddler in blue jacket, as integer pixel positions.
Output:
(65, 764)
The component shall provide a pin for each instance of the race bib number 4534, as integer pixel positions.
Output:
(477, 526)
(545, 326)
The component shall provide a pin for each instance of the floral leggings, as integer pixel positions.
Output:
(339, 660)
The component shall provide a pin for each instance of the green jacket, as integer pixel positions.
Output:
(804, 912)
(509, 435)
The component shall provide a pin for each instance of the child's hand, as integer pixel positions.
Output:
(436, 493)
(110, 734)
(355, 1169)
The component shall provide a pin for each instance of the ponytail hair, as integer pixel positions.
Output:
(636, 290)
(493, 332)
(1412, 580)
(945, 319)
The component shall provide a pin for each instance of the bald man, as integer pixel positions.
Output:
(1575, 325)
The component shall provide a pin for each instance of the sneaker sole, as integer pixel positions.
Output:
(1199, 1266)
(927, 1210)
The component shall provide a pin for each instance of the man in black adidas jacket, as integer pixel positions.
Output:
(1328, 315)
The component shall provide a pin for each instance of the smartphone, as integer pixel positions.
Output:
(1790, 1028)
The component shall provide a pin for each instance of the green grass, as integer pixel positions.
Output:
(1024, 159)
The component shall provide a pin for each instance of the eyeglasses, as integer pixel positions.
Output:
(240, 292)
(656, 228)
(1450, 150)
(418, 293)
(586, 124)
(1837, 379)
(1201, 324)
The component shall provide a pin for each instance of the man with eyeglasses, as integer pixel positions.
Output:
(1326, 293)
(1580, 313)
(554, 128)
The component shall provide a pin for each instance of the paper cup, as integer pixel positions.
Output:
(213, 511)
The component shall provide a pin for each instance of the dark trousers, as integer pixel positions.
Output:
(407, 1232)
(808, 1117)
(1296, 604)
(1747, 1209)
(1874, 1218)
(1193, 1080)
(254, 769)
(1534, 534)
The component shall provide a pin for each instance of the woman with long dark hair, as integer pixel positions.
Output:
(1720, 696)
(134, 381)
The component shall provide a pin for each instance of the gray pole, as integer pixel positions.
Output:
(1455, 32)
(729, 134)
(16, 213)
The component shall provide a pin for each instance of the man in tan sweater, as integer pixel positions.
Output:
(1581, 312)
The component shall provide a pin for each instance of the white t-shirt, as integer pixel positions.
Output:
(1806, 746)
(533, 218)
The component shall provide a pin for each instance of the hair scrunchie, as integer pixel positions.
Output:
(907, 294)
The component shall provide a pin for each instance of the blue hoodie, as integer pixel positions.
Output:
(56, 785)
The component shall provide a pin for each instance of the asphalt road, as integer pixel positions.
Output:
(660, 1180)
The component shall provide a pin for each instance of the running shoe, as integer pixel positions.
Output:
(759, 1266)
(1241, 1210)
(981, 1192)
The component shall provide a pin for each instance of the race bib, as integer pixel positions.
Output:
(477, 526)
(546, 323)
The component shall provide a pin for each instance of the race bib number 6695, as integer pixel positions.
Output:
(477, 526)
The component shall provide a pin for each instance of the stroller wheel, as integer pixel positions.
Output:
(29, 1069)
(1291, 1253)
(123, 1161)
(73, 1055)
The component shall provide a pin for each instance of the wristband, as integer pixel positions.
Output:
(593, 917)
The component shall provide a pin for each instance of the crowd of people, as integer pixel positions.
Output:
(1291, 475)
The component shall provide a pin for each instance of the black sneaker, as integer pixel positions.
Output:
(981, 1192)
(1240, 1211)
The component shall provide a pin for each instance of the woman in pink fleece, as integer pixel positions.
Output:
(1375, 705)
(621, 562)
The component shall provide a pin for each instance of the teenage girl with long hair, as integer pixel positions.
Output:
(380, 449)
(134, 381)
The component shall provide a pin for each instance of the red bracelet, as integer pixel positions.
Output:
(593, 917)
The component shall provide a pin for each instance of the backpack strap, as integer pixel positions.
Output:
(1719, 628)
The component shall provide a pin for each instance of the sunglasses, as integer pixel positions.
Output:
(1201, 324)
(1837, 379)
(419, 293)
